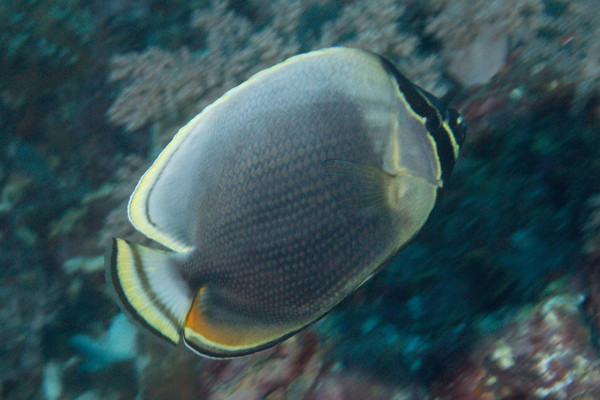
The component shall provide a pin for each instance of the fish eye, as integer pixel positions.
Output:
(454, 117)
(458, 125)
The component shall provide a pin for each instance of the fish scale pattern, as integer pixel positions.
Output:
(282, 225)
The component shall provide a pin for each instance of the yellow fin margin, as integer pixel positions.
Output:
(128, 272)
(136, 209)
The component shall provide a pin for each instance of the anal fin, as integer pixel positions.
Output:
(149, 288)
(228, 336)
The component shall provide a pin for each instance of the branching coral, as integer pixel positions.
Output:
(163, 81)
(163, 86)
(377, 26)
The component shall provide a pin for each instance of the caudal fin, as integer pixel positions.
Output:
(149, 287)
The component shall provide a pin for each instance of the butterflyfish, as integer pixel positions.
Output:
(280, 199)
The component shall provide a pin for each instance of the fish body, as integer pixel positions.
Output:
(280, 199)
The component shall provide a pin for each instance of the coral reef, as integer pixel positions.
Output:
(297, 369)
(591, 227)
(29, 305)
(497, 298)
(165, 86)
(119, 343)
(545, 352)
(547, 34)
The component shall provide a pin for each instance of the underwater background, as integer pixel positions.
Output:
(497, 298)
